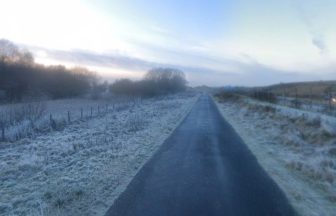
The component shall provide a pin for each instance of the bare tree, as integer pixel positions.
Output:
(167, 80)
(21, 78)
(157, 81)
(8, 49)
(123, 87)
(10, 52)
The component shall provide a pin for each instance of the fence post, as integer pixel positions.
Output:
(50, 119)
(311, 98)
(81, 113)
(3, 133)
(91, 112)
(52, 122)
(69, 117)
(330, 102)
(296, 98)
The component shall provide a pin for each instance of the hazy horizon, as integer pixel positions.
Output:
(214, 42)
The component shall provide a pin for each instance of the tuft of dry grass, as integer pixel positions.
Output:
(227, 96)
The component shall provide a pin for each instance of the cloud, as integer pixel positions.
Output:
(83, 57)
(307, 16)
(248, 72)
(319, 42)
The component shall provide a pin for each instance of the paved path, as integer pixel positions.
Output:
(203, 168)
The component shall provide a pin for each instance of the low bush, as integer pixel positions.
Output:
(135, 123)
(265, 96)
(158, 81)
(269, 109)
(227, 96)
(296, 103)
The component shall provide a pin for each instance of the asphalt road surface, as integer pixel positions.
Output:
(203, 168)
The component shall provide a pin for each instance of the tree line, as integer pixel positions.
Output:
(158, 81)
(21, 77)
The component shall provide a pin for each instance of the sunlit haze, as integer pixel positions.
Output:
(216, 42)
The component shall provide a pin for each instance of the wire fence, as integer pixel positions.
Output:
(29, 120)
(322, 106)
(312, 101)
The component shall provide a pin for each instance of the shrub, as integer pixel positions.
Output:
(21, 120)
(227, 96)
(158, 81)
(296, 103)
(265, 96)
(135, 123)
(269, 109)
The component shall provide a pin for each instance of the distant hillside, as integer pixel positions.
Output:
(303, 89)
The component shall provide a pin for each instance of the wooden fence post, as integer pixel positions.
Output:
(330, 102)
(52, 122)
(81, 113)
(91, 112)
(3, 133)
(311, 98)
(69, 117)
(50, 119)
(296, 98)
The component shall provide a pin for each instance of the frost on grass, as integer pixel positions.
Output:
(28, 120)
(83, 168)
(297, 148)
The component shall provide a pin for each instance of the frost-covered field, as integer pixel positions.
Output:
(297, 148)
(81, 169)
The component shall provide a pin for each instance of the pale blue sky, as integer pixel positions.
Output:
(216, 42)
(199, 18)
